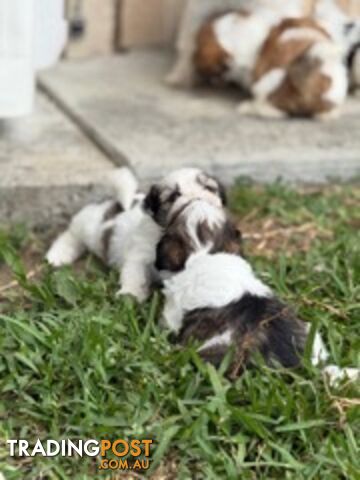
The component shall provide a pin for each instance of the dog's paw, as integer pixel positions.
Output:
(140, 294)
(57, 257)
(64, 251)
(253, 108)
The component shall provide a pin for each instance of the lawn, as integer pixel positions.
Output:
(75, 362)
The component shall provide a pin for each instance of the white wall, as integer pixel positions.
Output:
(32, 35)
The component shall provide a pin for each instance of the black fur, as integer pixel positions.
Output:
(260, 324)
(152, 201)
(171, 253)
(351, 55)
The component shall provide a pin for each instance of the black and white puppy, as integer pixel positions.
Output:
(218, 300)
(124, 232)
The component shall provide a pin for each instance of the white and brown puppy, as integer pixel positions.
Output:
(291, 67)
(198, 13)
(217, 300)
(123, 232)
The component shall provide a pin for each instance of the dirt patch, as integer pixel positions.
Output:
(268, 237)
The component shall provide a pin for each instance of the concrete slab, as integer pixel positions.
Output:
(124, 105)
(48, 167)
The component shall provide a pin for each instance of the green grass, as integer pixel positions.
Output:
(75, 362)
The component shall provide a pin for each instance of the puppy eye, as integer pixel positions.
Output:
(212, 188)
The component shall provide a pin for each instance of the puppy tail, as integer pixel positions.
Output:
(125, 186)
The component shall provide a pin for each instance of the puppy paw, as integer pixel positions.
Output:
(65, 250)
(57, 257)
(139, 294)
(333, 114)
(259, 109)
(180, 79)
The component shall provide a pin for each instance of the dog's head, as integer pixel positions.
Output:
(180, 187)
(197, 226)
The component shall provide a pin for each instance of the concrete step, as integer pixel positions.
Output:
(48, 168)
(123, 104)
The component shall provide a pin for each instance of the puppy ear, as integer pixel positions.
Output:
(152, 201)
(171, 253)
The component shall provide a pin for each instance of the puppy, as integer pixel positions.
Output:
(217, 300)
(290, 68)
(299, 72)
(197, 14)
(123, 232)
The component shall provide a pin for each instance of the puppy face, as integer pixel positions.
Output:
(197, 226)
(174, 192)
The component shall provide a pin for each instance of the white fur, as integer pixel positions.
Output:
(319, 352)
(186, 180)
(223, 339)
(334, 19)
(125, 186)
(270, 82)
(200, 211)
(335, 375)
(330, 55)
(260, 108)
(209, 281)
(300, 34)
(132, 244)
(242, 37)
(131, 248)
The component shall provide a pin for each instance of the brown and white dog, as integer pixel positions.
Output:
(299, 72)
(291, 67)
(197, 13)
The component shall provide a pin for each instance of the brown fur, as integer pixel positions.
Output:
(302, 91)
(114, 210)
(276, 53)
(176, 246)
(210, 59)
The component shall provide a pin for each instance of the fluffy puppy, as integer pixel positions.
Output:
(117, 231)
(217, 300)
(299, 72)
(197, 14)
(124, 233)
